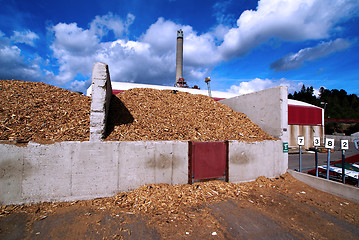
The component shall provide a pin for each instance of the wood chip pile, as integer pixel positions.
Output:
(149, 114)
(168, 199)
(175, 200)
(34, 111)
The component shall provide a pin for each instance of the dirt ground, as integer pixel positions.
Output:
(281, 208)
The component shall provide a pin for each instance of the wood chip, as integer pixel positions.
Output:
(34, 111)
(147, 114)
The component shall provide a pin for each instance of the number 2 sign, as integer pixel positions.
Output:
(344, 144)
(329, 143)
(301, 141)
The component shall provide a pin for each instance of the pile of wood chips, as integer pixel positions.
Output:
(148, 114)
(174, 201)
(34, 111)
(161, 199)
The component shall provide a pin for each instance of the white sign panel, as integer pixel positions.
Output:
(301, 141)
(316, 141)
(329, 143)
(344, 144)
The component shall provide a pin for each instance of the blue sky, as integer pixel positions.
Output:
(243, 45)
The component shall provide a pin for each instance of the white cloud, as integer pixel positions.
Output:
(161, 36)
(296, 60)
(286, 20)
(101, 25)
(151, 57)
(13, 65)
(71, 39)
(74, 48)
(28, 37)
(258, 84)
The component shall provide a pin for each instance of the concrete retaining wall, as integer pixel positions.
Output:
(268, 109)
(341, 190)
(248, 161)
(83, 170)
(69, 171)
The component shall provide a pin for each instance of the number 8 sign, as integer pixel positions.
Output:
(329, 143)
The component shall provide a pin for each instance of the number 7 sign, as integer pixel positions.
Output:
(301, 141)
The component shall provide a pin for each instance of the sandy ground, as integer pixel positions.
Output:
(281, 208)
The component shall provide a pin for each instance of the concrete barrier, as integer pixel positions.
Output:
(248, 161)
(338, 189)
(267, 108)
(100, 101)
(69, 171)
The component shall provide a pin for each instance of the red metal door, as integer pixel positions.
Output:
(208, 160)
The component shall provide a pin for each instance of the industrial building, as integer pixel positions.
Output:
(305, 120)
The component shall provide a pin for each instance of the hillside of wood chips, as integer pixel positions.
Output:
(149, 114)
(34, 111)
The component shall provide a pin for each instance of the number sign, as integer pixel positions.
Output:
(329, 143)
(316, 141)
(345, 144)
(301, 141)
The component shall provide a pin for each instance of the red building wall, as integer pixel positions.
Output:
(304, 115)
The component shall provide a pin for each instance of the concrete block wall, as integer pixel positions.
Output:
(100, 100)
(267, 108)
(70, 171)
(248, 161)
(345, 191)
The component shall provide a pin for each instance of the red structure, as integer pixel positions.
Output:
(304, 115)
(208, 160)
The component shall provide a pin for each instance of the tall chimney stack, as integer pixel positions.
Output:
(179, 59)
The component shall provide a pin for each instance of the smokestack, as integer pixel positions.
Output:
(179, 59)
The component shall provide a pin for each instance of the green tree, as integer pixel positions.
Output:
(337, 103)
